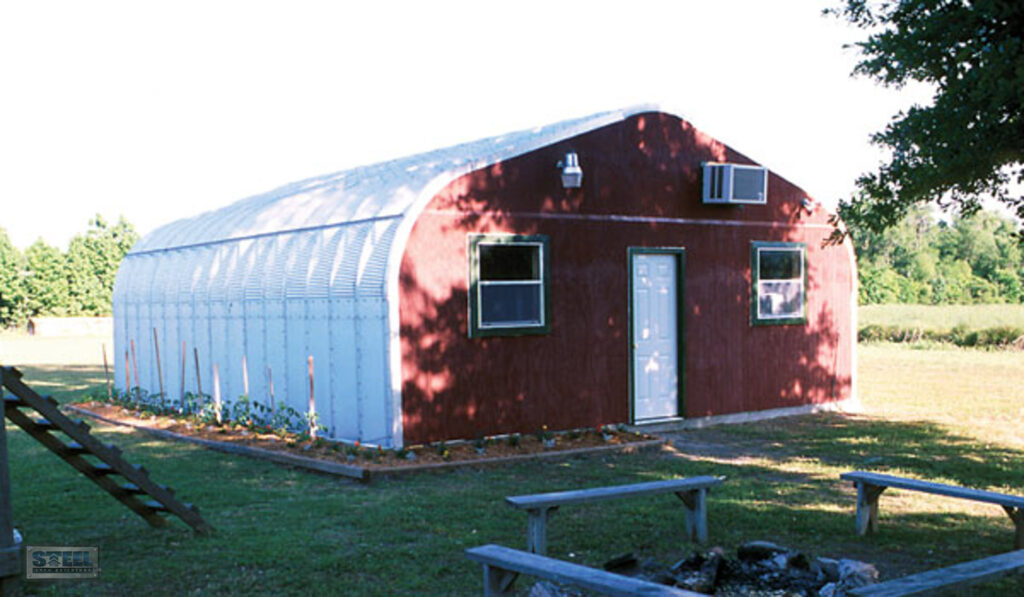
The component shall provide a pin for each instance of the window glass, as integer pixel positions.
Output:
(506, 304)
(509, 262)
(780, 264)
(780, 299)
(509, 285)
(778, 294)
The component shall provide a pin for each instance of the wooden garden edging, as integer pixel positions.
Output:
(365, 473)
(502, 565)
(871, 485)
(691, 491)
(313, 464)
(501, 460)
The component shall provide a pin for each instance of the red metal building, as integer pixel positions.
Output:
(618, 268)
(637, 296)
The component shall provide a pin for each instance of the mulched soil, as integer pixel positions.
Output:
(366, 456)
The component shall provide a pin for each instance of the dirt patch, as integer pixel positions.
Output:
(375, 458)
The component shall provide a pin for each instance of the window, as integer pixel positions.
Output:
(778, 293)
(508, 285)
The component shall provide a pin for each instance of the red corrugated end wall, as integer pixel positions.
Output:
(647, 166)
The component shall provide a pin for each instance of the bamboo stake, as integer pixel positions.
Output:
(183, 375)
(216, 393)
(159, 367)
(312, 402)
(106, 373)
(199, 379)
(245, 376)
(135, 369)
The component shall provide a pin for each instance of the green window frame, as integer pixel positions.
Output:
(509, 285)
(778, 283)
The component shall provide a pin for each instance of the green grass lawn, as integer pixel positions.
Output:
(942, 317)
(943, 414)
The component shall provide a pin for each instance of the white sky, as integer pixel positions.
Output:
(161, 110)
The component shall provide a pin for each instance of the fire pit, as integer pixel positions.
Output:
(760, 568)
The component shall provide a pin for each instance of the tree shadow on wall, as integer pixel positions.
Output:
(641, 189)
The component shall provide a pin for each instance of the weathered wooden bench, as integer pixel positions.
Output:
(692, 491)
(951, 577)
(502, 565)
(871, 485)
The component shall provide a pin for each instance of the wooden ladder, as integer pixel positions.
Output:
(135, 489)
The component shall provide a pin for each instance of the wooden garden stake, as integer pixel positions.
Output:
(159, 368)
(182, 375)
(270, 386)
(312, 402)
(135, 369)
(106, 373)
(199, 380)
(216, 393)
(245, 376)
(127, 373)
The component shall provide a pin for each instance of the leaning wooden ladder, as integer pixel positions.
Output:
(138, 491)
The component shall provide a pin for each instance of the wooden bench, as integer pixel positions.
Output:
(959, 575)
(502, 565)
(692, 491)
(871, 485)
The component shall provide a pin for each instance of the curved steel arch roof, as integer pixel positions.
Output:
(366, 193)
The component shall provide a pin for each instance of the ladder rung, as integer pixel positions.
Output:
(103, 468)
(156, 506)
(51, 400)
(74, 448)
(132, 489)
(44, 424)
(12, 401)
(81, 424)
(169, 490)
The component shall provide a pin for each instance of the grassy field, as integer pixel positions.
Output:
(942, 316)
(943, 414)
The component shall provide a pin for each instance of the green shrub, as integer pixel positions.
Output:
(961, 335)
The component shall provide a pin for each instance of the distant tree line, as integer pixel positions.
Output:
(924, 260)
(42, 280)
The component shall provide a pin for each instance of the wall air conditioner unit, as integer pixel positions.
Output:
(731, 184)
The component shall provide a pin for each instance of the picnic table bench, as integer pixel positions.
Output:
(871, 485)
(692, 491)
(958, 575)
(502, 565)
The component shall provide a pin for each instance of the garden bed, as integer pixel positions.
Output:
(364, 462)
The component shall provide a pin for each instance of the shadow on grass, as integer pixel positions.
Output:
(917, 448)
(64, 382)
(289, 532)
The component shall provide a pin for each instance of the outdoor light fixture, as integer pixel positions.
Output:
(809, 204)
(572, 174)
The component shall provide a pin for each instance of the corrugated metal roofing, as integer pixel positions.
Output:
(382, 190)
(308, 269)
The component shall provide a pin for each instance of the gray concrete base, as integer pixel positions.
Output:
(850, 406)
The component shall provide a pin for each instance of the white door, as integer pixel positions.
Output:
(655, 337)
